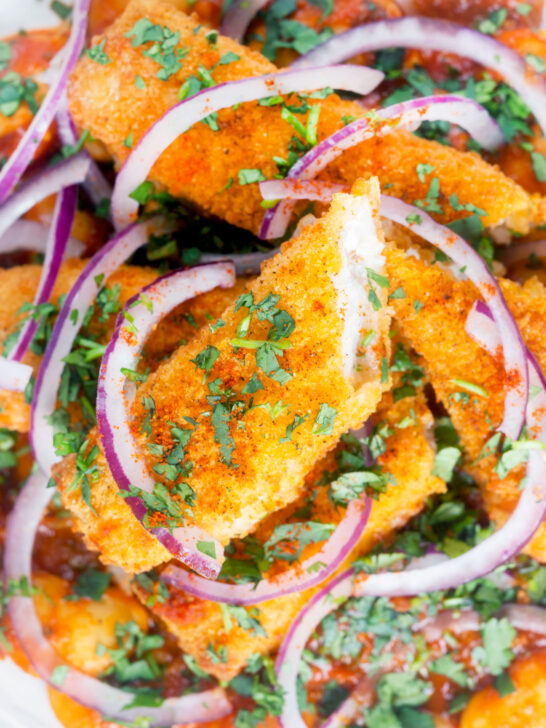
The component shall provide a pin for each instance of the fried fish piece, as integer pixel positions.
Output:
(450, 357)
(199, 625)
(268, 392)
(125, 97)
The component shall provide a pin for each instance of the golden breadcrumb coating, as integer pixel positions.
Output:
(270, 472)
(265, 468)
(201, 163)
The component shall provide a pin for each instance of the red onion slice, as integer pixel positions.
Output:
(32, 235)
(61, 225)
(288, 660)
(502, 545)
(238, 17)
(22, 156)
(476, 270)
(436, 35)
(95, 184)
(465, 257)
(409, 115)
(115, 396)
(181, 117)
(46, 183)
(302, 576)
(109, 701)
(14, 375)
(83, 292)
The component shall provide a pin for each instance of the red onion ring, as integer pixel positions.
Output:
(109, 701)
(237, 17)
(436, 35)
(61, 225)
(475, 269)
(32, 235)
(496, 549)
(409, 115)
(70, 172)
(301, 576)
(522, 251)
(181, 117)
(14, 375)
(81, 295)
(22, 156)
(95, 184)
(288, 660)
(115, 396)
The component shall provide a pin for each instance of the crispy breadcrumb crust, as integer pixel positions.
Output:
(268, 467)
(199, 165)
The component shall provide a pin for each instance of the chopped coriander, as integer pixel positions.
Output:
(249, 176)
(417, 305)
(128, 142)
(140, 83)
(398, 293)
(445, 461)
(91, 584)
(539, 166)
(143, 192)
(504, 685)
(208, 548)
(493, 22)
(60, 9)
(470, 387)
(59, 674)
(536, 62)
(97, 53)
(422, 170)
(324, 420)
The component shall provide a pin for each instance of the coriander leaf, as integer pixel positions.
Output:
(324, 420)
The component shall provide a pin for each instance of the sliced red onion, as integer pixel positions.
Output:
(436, 35)
(288, 660)
(238, 17)
(14, 375)
(61, 225)
(68, 323)
(22, 156)
(521, 251)
(364, 695)
(109, 701)
(32, 235)
(302, 576)
(95, 184)
(296, 189)
(409, 115)
(70, 172)
(475, 268)
(498, 548)
(115, 396)
(181, 117)
(526, 617)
